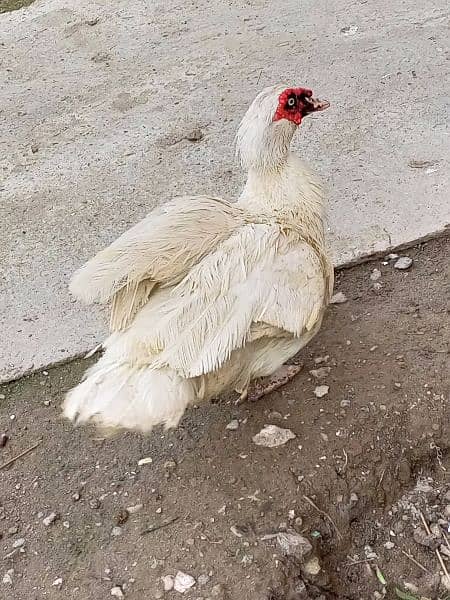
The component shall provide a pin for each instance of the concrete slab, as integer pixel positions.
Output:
(99, 96)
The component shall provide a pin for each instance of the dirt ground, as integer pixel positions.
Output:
(369, 458)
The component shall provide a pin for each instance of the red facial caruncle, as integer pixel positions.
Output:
(295, 103)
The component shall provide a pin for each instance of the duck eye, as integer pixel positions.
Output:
(291, 102)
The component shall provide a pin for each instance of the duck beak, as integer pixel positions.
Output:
(315, 105)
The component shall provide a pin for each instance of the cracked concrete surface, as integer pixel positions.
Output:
(98, 98)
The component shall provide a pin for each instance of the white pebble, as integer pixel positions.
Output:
(19, 543)
(134, 509)
(51, 518)
(58, 581)
(7, 577)
(375, 275)
(404, 262)
(116, 591)
(272, 436)
(321, 390)
(233, 425)
(183, 582)
(168, 582)
(116, 531)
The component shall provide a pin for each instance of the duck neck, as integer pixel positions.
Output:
(287, 192)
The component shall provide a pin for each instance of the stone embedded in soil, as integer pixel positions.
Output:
(338, 298)
(8, 577)
(312, 566)
(183, 582)
(404, 262)
(293, 544)
(375, 275)
(132, 510)
(321, 390)
(50, 519)
(233, 425)
(320, 373)
(116, 531)
(18, 543)
(116, 591)
(168, 582)
(272, 436)
(203, 579)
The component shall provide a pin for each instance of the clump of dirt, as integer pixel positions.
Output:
(206, 510)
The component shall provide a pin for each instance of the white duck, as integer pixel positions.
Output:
(208, 295)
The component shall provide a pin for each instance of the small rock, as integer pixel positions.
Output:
(145, 461)
(312, 566)
(94, 503)
(183, 582)
(321, 359)
(3, 440)
(18, 543)
(168, 583)
(58, 582)
(272, 436)
(370, 553)
(50, 519)
(76, 496)
(13, 530)
(2, 396)
(389, 545)
(195, 135)
(447, 511)
(116, 591)
(116, 531)
(34, 148)
(132, 510)
(233, 425)
(170, 465)
(391, 256)
(354, 498)
(7, 577)
(93, 21)
(404, 262)
(321, 390)
(338, 298)
(203, 579)
(377, 285)
(375, 275)
(321, 372)
(293, 544)
(345, 403)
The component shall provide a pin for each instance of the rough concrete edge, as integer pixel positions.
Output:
(360, 259)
